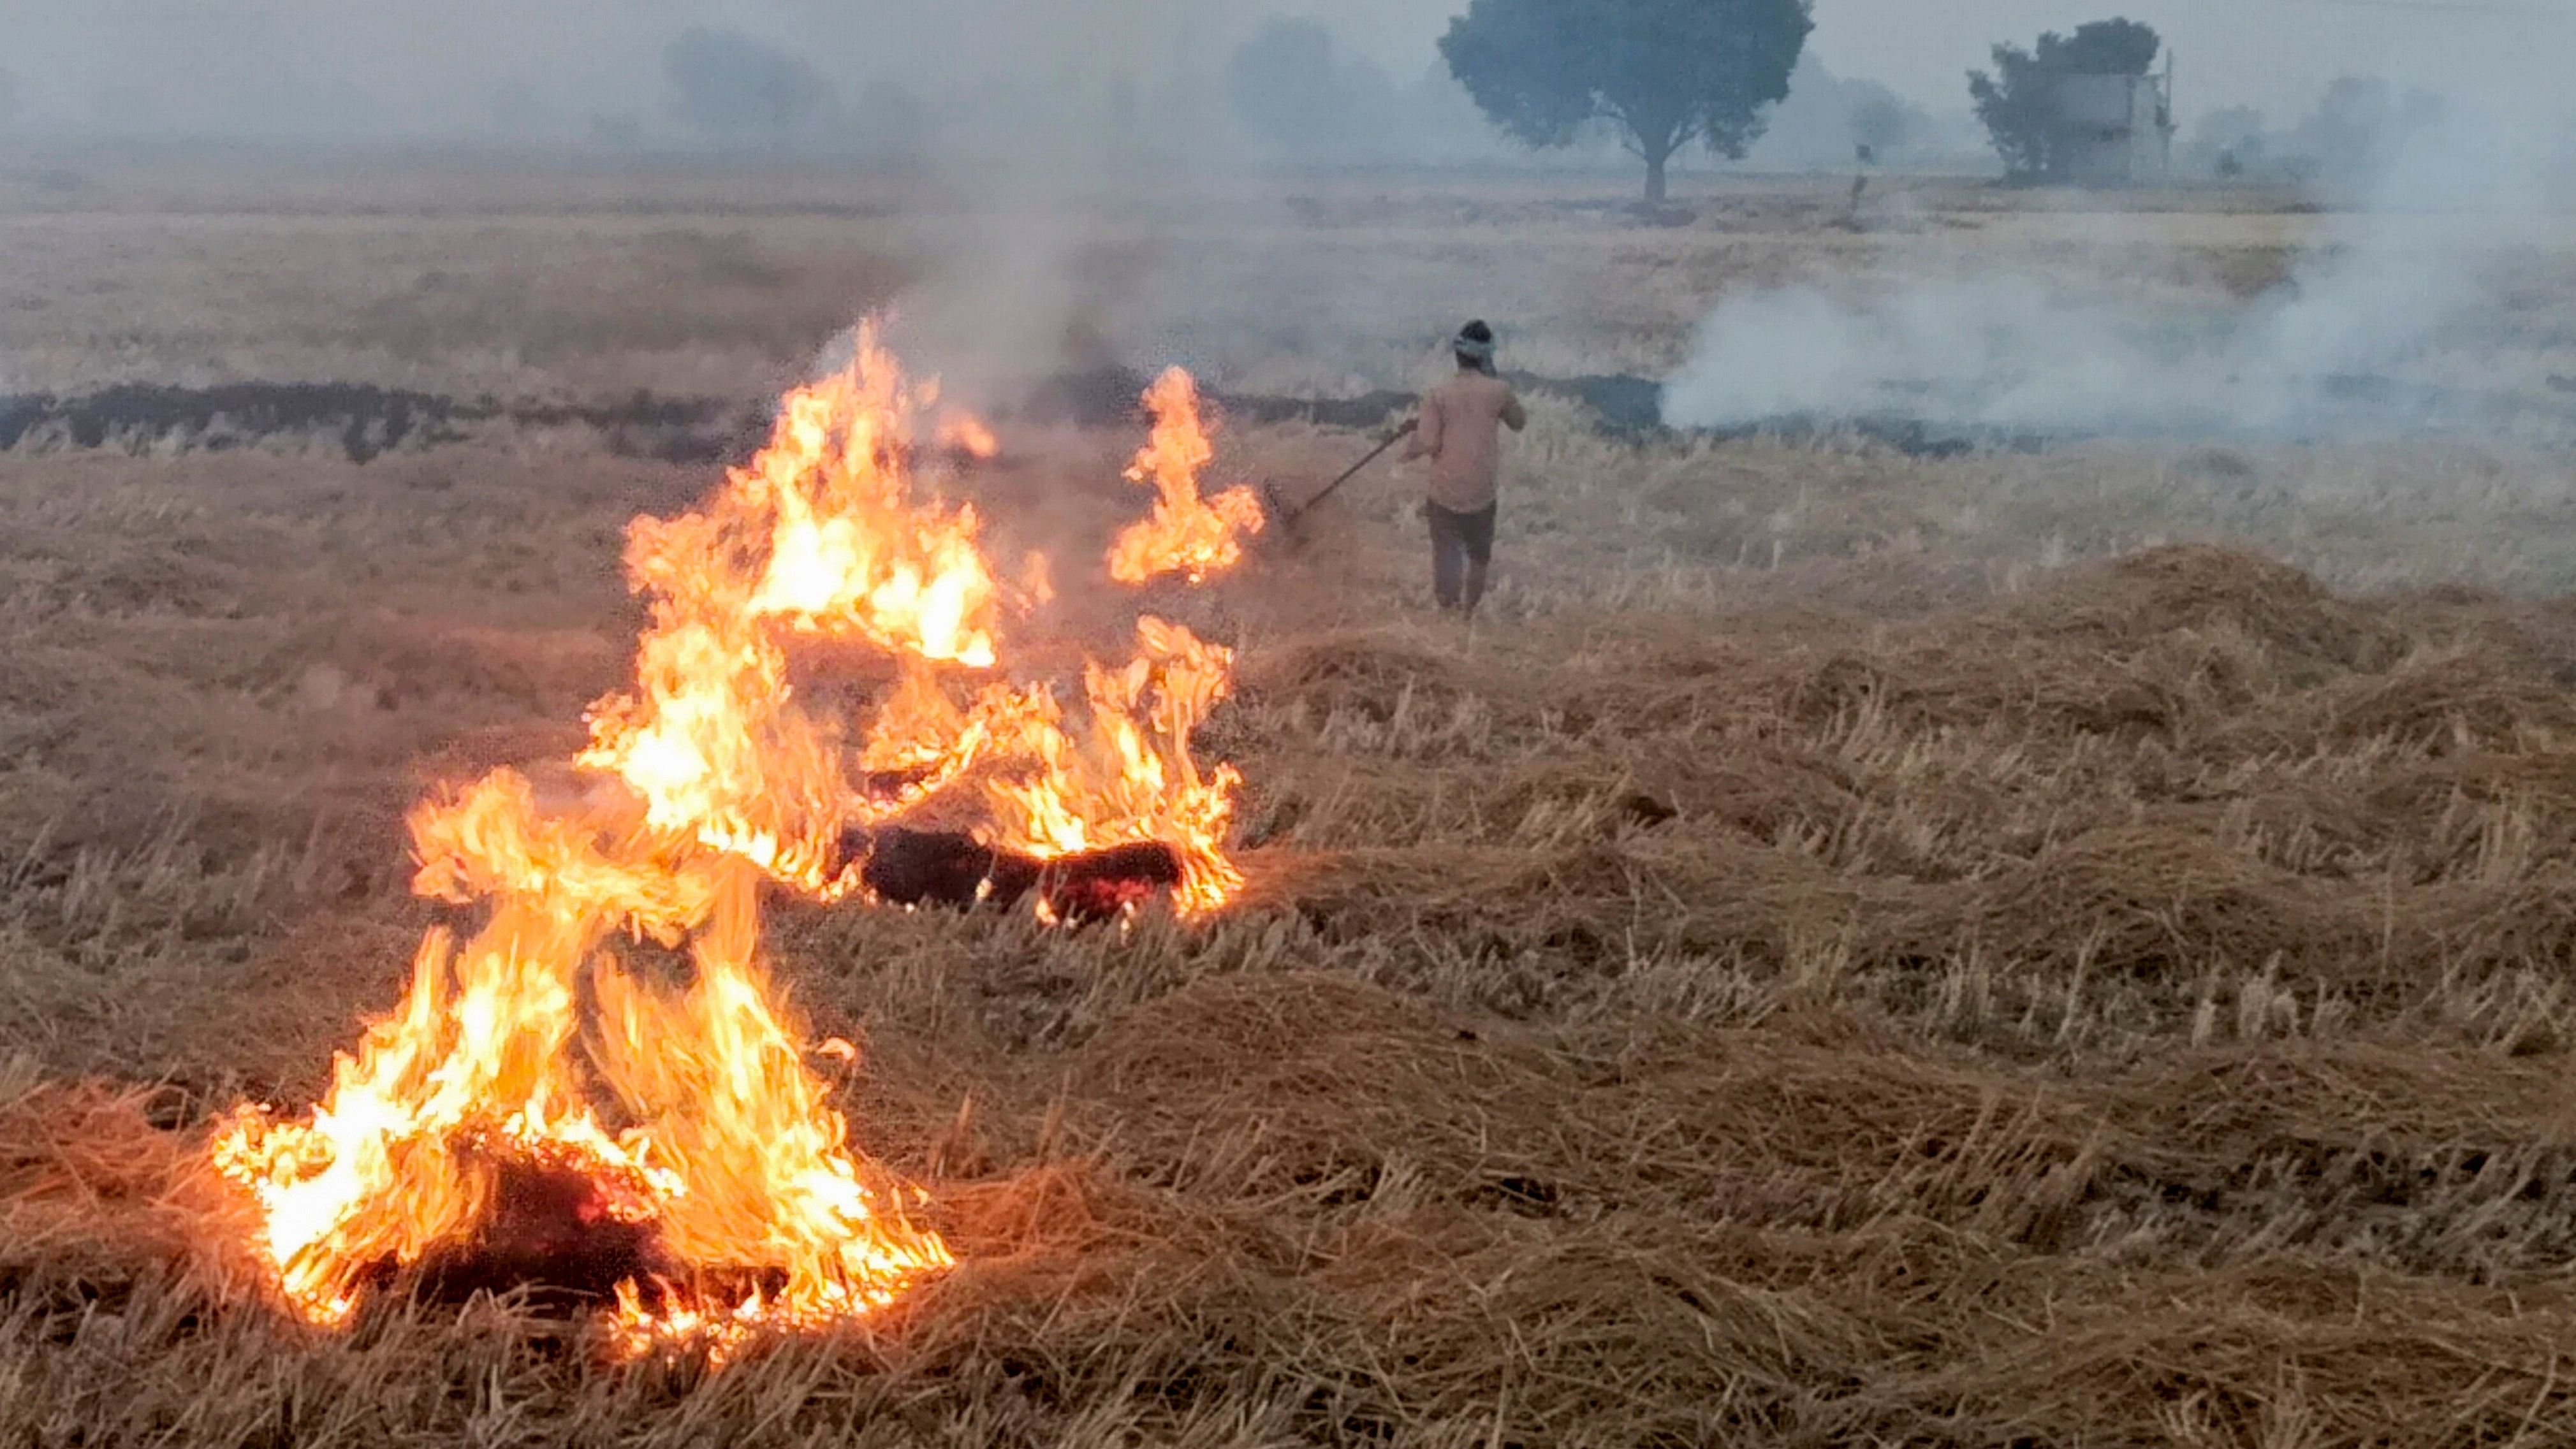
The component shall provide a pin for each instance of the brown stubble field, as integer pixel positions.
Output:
(2067, 948)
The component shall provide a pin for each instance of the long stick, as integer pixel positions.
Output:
(1333, 487)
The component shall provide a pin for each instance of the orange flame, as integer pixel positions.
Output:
(689, 1113)
(1186, 535)
(966, 435)
(1129, 776)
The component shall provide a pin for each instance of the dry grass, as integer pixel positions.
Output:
(532, 279)
(1856, 950)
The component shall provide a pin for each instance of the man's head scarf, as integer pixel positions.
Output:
(1475, 344)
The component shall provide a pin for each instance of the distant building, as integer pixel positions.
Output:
(2112, 130)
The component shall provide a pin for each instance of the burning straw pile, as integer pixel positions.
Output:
(542, 1112)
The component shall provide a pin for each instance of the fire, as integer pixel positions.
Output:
(1129, 777)
(536, 1097)
(967, 436)
(1193, 537)
(818, 538)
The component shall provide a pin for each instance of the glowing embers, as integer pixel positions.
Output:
(952, 868)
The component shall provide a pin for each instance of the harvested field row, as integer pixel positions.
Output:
(2131, 1008)
(1294, 1208)
(2189, 793)
(2098, 1112)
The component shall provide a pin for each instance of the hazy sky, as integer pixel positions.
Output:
(436, 64)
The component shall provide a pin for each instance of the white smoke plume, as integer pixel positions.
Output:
(2394, 320)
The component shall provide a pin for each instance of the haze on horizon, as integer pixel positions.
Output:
(314, 69)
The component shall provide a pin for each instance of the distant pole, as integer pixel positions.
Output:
(2172, 118)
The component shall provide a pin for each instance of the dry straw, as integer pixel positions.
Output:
(2126, 1012)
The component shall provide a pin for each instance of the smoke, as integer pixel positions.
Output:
(2394, 318)
(1025, 78)
(1072, 168)
(1114, 206)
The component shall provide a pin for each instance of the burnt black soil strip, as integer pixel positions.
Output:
(1625, 407)
(1107, 397)
(365, 422)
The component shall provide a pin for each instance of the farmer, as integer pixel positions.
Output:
(1461, 433)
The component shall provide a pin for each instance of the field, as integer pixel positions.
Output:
(2066, 947)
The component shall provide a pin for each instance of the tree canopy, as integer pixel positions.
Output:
(738, 89)
(1664, 73)
(2361, 126)
(2105, 47)
(2017, 101)
(891, 122)
(1881, 124)
(1292, 92)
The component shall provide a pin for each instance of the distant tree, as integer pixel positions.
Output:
(2360, 126)
(891, 121)
(738, 90)
(1441, 119)
(1291, 92)
(610, 131)
(2230, 128)
(1276, 81)
(2227, 142)
(1664, 73)
(1881, 124)
(1826, 117)
(2108, 47)
(2018, 102)
(519, 111)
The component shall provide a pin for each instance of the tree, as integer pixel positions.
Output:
(2018, 102)
(2108, 47)
(892, 123)
(1881, 123)
(1664, 73)
(738, 89)
(615, 131)
(1290, 91)
(1825, 116)
(2227, 142)
(2361, 126)
(519, 112)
